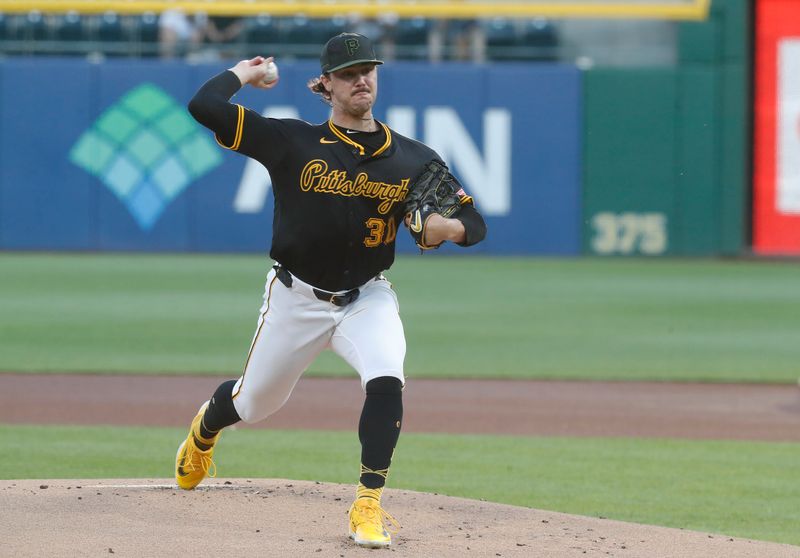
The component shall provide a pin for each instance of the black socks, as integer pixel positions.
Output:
(220, 412)
(379, 429)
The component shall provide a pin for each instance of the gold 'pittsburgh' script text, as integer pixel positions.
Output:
(315, 175)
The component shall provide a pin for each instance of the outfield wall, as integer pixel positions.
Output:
(634, 161)
(666, 162)
(105, 157)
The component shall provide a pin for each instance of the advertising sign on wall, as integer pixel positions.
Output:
(776, 155)
(112, 160)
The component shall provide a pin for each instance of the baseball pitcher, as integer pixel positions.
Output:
(342, 189)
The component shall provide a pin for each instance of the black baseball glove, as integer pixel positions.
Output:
(434, 190)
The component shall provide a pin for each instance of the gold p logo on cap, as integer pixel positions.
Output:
(352, 46)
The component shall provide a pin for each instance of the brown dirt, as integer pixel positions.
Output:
(279, 518)
(550, 408)
(267, 517)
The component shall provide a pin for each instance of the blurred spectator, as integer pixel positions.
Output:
(221, 31)
(408, 38)
(457, 39)
(179, 34)
(468, 40)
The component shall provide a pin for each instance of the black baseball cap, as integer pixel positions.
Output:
(347, 49)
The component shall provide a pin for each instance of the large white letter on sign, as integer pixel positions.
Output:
(402, 120)
(787, 153)
(487, 178)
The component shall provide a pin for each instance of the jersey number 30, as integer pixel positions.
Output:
(380, 231)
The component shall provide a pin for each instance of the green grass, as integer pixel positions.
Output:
(464, 316)
(745, 489)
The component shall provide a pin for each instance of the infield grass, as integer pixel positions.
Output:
(746, 489)
(702, 320)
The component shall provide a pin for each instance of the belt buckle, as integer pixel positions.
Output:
(337, 299)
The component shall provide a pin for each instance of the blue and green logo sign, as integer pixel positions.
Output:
(146, 149)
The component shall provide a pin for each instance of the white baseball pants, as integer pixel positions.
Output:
(295, 326)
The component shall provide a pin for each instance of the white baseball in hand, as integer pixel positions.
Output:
(272, 72)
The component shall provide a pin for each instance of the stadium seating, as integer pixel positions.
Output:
(534, 39)
(109, 28)
(501, 38)
(304, 35)
(36, 27)
(18, 31)
(147, 26)
(68, 27)
(258, 31)
(541, 38)
(411, 38)
(68, 34)
(297, 36)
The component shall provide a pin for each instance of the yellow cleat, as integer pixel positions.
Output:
(370, 524)
(192, 464)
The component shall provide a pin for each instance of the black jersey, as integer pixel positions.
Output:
(338, 195)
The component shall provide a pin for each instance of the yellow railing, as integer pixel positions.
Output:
(621, 9)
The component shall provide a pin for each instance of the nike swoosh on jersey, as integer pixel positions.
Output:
(352, 131)
(325, 140)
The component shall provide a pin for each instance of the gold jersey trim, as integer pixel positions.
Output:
(388, 142)
(357, 145)
(237, 138)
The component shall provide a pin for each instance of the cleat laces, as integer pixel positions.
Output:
(204, 462)
(375, 514)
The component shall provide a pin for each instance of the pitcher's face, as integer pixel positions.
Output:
(354, 89)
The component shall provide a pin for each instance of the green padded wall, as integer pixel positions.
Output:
(629, 159)
(665, 149)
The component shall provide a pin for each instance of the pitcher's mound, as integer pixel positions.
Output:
(284, 518)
